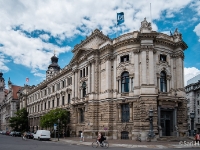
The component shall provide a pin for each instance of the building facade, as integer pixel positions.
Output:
(9, 105)
(110, 86)
(193, 105)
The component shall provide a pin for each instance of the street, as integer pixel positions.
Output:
(16, 143)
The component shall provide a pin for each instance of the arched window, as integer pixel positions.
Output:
(84, 89)
(163, 82)
(81, 115)
(125, 82)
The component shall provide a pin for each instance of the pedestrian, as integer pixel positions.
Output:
(82, 137)
(197, 137)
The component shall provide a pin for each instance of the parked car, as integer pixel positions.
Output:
(1, 132)
(7, 132)
(29, 135)
(17, 134)
(11, 133)
(42, 135)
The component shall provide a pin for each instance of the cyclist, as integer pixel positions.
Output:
(99, 137)
(24, 135)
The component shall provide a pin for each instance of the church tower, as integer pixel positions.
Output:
(53, 67)
(2, 87)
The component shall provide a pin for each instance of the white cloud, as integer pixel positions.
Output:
(3, 67)
(197, 31)
(64, 19)
(190, 73)
(45, 37)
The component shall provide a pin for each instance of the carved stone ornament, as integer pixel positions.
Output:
(145, 26)
(177, 36)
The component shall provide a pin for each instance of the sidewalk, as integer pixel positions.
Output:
(132, 143)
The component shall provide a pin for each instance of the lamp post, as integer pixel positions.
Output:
(192, 115)
(58, 128)
(151, 134)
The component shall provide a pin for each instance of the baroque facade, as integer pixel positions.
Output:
(9, 104)
(110, 86)
(193, 103)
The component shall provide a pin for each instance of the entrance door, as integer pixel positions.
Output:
(166, 122)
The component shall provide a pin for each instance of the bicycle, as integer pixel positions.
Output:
(104, 144)
(149, 137)
(138, 137)
(24, 137)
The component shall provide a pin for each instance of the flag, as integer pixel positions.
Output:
(120, 18)
(27, 79)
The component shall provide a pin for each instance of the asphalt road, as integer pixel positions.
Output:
(16, 143)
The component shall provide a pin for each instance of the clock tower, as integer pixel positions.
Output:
(53, 67)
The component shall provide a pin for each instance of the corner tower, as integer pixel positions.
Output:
(53, 67)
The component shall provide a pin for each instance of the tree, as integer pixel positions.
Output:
(51, 118)
(20, 121)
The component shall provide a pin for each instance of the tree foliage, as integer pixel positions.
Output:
(20, 121)
(51, 118)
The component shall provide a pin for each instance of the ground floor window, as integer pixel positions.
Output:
(124, 135)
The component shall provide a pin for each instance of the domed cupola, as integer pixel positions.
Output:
(53, 67)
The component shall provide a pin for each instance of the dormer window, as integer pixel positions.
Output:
(163, 57)
(124, 58)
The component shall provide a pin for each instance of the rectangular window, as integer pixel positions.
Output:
(41, 107)
(38, 107)
(63, 83)
(57, 101)
(197, 102)
(84, 72)
(53, 103)
(81, 115)
(125, 113)
(198, 111)
(63, 100)
(48, 104)
(45, 106)
(80, 73)
(163, 57)
(68, 98)
(124, 58)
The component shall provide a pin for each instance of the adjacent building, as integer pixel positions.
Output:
(110, 85)
(9, 103)
(193, 103)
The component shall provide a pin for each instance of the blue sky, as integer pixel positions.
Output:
(30, 31)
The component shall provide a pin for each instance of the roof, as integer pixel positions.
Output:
(15, 89)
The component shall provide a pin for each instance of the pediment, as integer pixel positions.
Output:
(93, 41)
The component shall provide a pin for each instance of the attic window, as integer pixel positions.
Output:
(124, 58)
(163, 57)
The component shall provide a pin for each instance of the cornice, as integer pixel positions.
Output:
(126, 42)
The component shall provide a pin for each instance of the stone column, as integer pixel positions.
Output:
(143, 67)
(108, 73)
(130, 84)
(151, 67)
(93, 74)
(137, 70)
(114, 74)
(89, 76)
(73, 93)
(76, 84)
(131, 112)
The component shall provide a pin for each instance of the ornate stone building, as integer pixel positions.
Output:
(9, 105)
(193, 105)
(110, 86)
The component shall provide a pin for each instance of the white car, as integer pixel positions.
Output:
(42, 135)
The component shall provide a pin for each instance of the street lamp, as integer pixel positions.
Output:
(192, 115)
(151, 134)
(58, 128)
